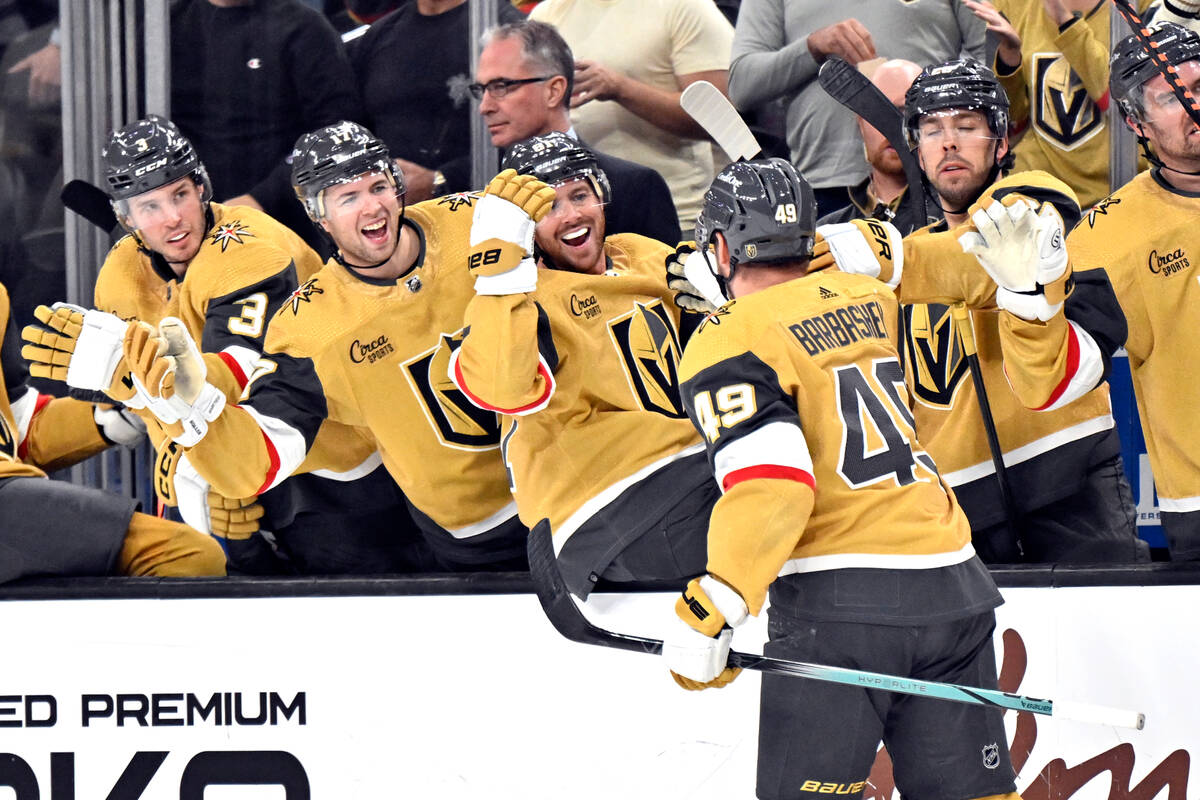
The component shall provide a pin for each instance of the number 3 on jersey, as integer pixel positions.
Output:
(877, 427)
(724, 408)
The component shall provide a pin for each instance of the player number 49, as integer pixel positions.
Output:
(733, 404)
(785, 213)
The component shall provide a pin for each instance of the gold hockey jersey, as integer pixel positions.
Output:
(1047, 448)
(585, 372)
(373, 353)
(800, 396)
(248, 265)
(1059, 95)
(37, 431)
(1145, 237)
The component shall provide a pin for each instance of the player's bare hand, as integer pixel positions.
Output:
(45, 75)
(848, 39)
(594, 81)
(1057, 11)
(1009, 41)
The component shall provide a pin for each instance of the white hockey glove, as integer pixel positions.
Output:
(191, 494)
(78, 345)
(502, 233)
(697, 646)
(168, 369)
(863, 247)
(692, 280)
(1024, 252)
(119, 425)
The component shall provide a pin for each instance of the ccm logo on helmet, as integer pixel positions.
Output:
(142, 170)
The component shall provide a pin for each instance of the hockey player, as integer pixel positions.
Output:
(1072, 501)
(55, 528)
(830, 500)
(573, 337)
(223, 270)
(366, 342)
(1145, 236)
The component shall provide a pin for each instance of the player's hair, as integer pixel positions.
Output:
(554, 158)
(145, 155)
(1130, 66)
(542, 45)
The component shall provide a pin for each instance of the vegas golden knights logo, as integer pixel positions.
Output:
(1062, 110)
(933, 353)
(649, 346)
(457, 422)
(8, 442)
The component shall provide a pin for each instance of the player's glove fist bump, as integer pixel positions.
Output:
(502, 233)
(697, 647)
(79, 346)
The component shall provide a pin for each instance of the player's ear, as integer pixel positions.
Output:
(1001, 148)
(722, 248)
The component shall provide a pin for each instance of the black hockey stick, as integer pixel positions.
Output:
(89, 202)
(1146, 37)
(568, 620)
(855, 91)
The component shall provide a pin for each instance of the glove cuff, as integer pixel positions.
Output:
(726, 599)
(97, 350)
(1029, 306)
(208, 407)
(518, 280)
(497, 218)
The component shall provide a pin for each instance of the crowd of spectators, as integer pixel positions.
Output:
(608, 74)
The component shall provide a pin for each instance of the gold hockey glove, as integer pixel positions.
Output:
(863, 247)
(79, 346)
(233, 518)
(169, 370)
(697, 647)
(502, 233)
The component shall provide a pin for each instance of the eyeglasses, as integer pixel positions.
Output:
(501, 86)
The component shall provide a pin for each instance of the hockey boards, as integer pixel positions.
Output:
(89, 202)
(714, 113)
(569, 621)
(855, 91)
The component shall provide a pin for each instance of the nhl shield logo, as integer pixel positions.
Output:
(991, 756)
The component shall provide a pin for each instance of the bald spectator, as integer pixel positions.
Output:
(535, 53)
(884, 194)
(780, 44)
(633, 58)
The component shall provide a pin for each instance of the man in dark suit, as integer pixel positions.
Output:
(524, 88)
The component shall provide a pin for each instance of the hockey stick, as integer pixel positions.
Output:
(569, 621)
(966, 335)
(89, 202)
(714, 113)
(855, 91)
(1143, 34)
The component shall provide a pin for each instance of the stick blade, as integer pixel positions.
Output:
(89, 202)
(560, 608)
(712, 111)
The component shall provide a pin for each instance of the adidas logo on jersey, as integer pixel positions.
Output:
(828, 294)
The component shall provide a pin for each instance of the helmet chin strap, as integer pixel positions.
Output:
(1144, 146)
(337, 251)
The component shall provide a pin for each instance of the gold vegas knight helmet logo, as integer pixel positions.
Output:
(933, 353)
(649, 346)
(1062, 110)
